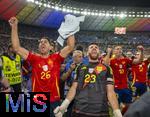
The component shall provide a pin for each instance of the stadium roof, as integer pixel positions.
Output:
(123, 3)
(33, 14)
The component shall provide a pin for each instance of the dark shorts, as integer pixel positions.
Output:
(140, 89)
(124, 95)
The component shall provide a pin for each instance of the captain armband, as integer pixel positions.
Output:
(110, 81)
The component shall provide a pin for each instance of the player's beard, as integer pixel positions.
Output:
(95, 57)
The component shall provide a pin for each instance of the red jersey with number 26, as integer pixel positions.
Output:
(119, 67)
(46, 74)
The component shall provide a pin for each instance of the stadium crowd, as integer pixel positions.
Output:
(128, 58)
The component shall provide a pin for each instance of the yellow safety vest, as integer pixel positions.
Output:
(12, 69)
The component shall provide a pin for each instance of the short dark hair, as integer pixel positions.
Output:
(52, 43)
(79, 47)
(44, 38)
(93, 43)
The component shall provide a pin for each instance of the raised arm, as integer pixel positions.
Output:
(69, 47)
(15, 39)
(107, 57)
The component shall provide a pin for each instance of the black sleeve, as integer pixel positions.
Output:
(109, 76)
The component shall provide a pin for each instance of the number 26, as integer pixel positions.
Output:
(45, 75)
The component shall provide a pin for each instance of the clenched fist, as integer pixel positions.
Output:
(140, 47)
(13, 21)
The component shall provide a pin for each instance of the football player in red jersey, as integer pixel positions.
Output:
(139, 75)
(119, 65)
(45, 66)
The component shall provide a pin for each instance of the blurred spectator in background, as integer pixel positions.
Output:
(69, 75)
(11, 68)
(4, 84)
(26, 75)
